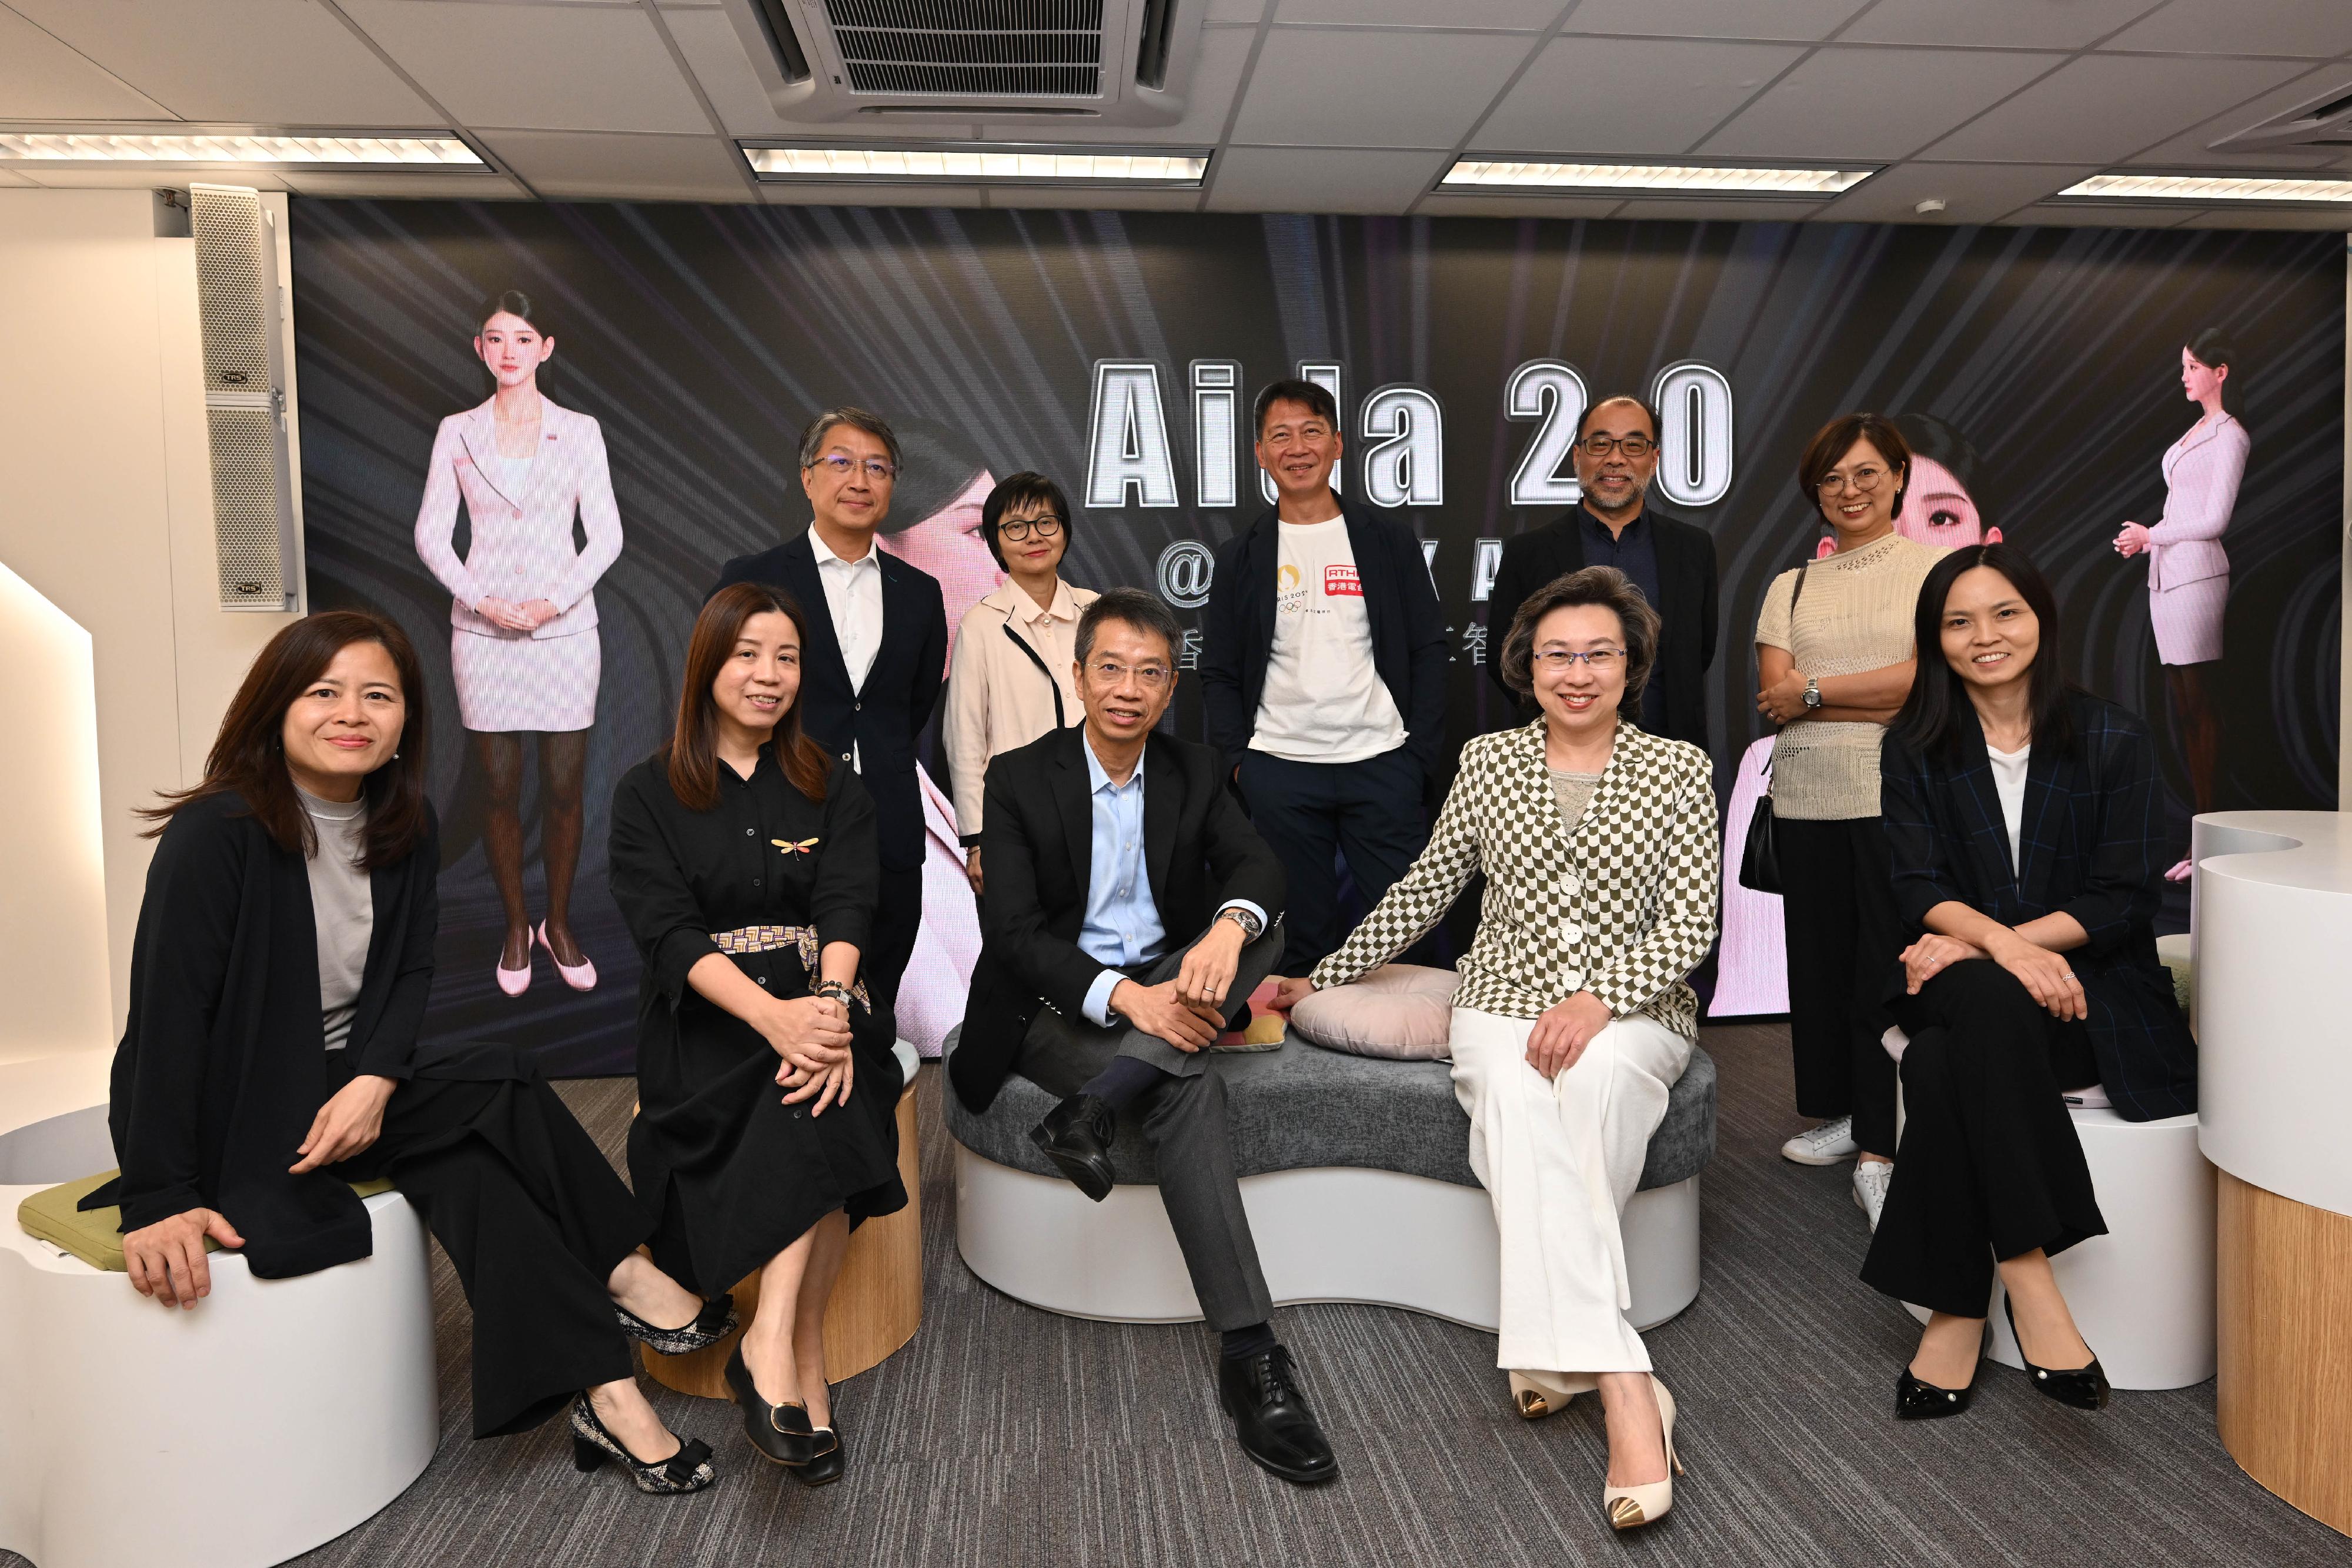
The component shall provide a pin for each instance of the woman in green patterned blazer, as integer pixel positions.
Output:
(1572, 1020)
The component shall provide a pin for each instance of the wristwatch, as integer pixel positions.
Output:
(1812, 692)
(1251, 926)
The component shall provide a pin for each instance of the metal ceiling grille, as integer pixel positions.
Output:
(1028, 48)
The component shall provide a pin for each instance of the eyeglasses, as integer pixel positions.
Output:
(840, 467)
(1634, 446)
(1865, 479)
(1110, 673)
(1600, 661)
(1018, 530)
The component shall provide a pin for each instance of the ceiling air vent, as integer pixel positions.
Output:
(1122, 62)
(2325, 122)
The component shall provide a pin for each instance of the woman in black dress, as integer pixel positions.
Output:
(2023, 821)
(744, 861)
(272, 1056)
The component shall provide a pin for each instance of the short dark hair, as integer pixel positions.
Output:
(1928, 723)
(1131, 607)
(1832, 441)
(1601, 585)
(873, 425)
(1640, 403)
(1022, 489)
(1317, 398)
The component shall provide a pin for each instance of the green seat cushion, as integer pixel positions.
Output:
(2182, 981)
(95, 1236)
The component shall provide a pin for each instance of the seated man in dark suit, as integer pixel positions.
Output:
(1130, 911)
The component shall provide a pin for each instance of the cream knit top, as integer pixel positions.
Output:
(1855, 615)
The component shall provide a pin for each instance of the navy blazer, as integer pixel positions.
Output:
(2092, 847)
(1036, 839)
(1408, 636)
(882, 719)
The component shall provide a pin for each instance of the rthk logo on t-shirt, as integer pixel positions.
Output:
(1341, 582)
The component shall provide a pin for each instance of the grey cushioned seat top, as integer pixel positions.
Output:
(1302, 1106)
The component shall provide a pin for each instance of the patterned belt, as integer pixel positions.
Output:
(800, 939)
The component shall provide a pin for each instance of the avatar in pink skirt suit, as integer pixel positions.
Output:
(522, 619)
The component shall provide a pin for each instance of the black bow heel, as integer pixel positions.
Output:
(687, 1470)
(2084, 1387)
(713, 1323)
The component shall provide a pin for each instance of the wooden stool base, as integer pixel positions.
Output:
(2283, 1391)
(876, 1305)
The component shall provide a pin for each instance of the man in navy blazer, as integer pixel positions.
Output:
(1323, 672)
(876, 656)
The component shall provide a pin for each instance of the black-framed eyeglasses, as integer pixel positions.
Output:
(1018, 530)
(840, 467)
(1634, 446)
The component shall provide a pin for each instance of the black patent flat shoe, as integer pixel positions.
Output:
(780, 1432)
(832, 1452)
(687, 1470)
(715, 1322)
(1077, 1135)
(1919, 1401)
(2084, 1387)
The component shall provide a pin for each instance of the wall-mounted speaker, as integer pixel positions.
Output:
(242, 308)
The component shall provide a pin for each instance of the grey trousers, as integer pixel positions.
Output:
(1184, 1122)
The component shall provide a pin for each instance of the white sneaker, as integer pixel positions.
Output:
(1824, 1145)
(1871, 1180)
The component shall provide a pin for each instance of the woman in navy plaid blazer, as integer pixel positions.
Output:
(2020, 817)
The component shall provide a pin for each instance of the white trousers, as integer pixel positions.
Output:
(1560, 1160)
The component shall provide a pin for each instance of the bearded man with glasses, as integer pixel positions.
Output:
(874, 661)
(1671, 562)
(1131, 910)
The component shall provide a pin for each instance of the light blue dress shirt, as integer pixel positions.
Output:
(1122, 925)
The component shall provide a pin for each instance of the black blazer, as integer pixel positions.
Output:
(1408, 636)
(882, 720)
(1686, 593)
(1037, 842)
(2092, 846)
(224, 1062)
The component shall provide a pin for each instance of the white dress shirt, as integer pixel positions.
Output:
(853, 598)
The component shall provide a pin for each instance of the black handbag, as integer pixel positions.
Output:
(1760, 858)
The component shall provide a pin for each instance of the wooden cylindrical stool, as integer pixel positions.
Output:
(2285, 1273)
(877, 1306)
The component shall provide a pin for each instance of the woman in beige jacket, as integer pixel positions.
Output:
(1010, 679)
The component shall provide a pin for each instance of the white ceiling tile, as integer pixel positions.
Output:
(2335, 218)
(871, 196)
(6, 178)
(1438, 206)
(1034, 198)
(1605, 95)
(1671, 210)
(1319, 179)
(2102, 108)
(551, 67)
(1971, 192)
(451, 187)
(2192, 148)
(2010, 23)
(1873, 103)
(1714, 19)
(1217, 76)
(1237, 10)
(648, 168)
(266, 62)
(1355, 88)
(41, 79)
(2061, 216)
(715, 52)
(2320, 27)
(1517, 16)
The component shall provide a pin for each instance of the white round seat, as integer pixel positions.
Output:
(273, 1417)
(2143, 1293)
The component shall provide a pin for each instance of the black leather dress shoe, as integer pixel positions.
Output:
(780, 1432)
(1075, 1135)
(1271, 1417)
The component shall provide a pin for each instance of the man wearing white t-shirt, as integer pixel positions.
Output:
(1323, 670)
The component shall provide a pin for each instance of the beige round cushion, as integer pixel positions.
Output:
(1403, 1011)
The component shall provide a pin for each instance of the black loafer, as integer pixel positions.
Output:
(1277, 1429)
(832, 1453)
(1075, 1135)
(780, 1432)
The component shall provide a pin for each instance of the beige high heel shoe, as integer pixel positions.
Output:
(1629, 1508)
(1536, 1395)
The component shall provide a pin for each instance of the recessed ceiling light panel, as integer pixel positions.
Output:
(964, 163)
(436, 150)
(1648, 179)
(2204, 189)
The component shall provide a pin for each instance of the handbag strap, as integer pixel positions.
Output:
(1039, 660)
(1795, 594)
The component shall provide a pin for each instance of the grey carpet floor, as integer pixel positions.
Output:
(1005, 1436)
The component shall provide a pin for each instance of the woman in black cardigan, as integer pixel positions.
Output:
(2022, 816)
(278, 982)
